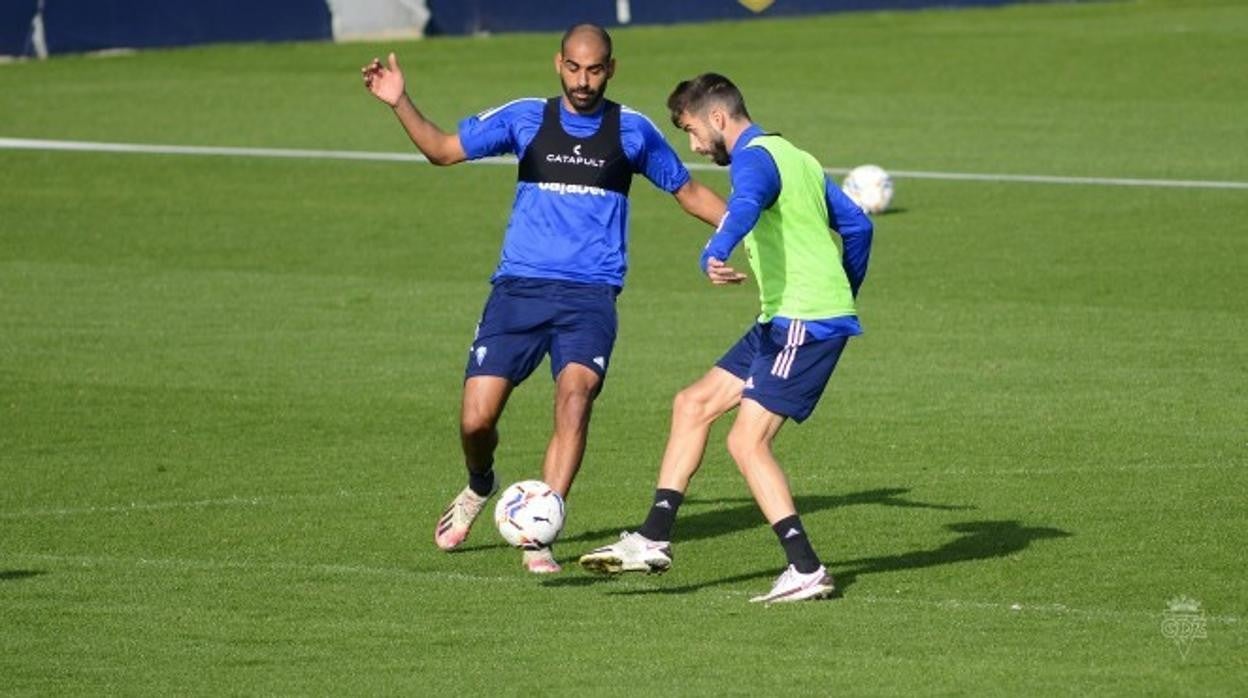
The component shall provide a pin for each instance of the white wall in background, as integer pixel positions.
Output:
(378, 19)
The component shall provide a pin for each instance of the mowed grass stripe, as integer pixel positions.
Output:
(630, 582)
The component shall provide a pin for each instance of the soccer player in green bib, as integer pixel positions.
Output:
(784, 206)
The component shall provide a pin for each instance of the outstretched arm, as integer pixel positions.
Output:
(701, 202)
(387, 84)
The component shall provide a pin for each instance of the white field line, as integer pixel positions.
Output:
(1048, 609)
(186, 564)
(1033, 608)
(95, 147)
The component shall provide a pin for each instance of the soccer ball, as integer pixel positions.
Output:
(529, 514)
(870, 187)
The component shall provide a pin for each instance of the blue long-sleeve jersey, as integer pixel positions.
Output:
(756, 186)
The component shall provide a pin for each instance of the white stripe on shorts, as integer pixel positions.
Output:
(788, 341)
(784, 360)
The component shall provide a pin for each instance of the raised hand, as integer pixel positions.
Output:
(385, 82)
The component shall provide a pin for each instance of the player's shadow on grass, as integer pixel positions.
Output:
(11, 575)
(980, 540)
(745, 514)
(696, 525)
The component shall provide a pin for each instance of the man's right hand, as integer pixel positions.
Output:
(386, 83)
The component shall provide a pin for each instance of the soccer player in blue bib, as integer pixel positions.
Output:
(782, 206)
(564, 253)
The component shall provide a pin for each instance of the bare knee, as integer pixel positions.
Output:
(476, 423)
(690, 406)
(574, 398)
(743, 448)
(484, 399)
(573, 404)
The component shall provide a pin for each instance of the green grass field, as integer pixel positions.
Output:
(229, 385)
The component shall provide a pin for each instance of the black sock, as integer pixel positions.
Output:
(662, 516)
(796, 545)
(481, 484)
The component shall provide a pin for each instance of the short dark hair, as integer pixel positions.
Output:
(694, 96)
(594, 29)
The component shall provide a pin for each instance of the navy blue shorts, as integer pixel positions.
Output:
(526, 319)
(784, 370)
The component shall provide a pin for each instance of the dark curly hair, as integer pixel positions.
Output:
(694, 96)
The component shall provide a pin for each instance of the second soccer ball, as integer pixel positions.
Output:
(870, 187)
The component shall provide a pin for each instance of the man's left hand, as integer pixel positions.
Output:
(721, 274)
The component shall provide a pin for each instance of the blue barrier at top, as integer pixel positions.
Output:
(15, 17)
(88, 25)
(481, 16)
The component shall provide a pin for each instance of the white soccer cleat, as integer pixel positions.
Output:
(541, 561)
(634, 553)
(455, 522)
(792, 585)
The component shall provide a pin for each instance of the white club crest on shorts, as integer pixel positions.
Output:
(480, 353)
(601, 361)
